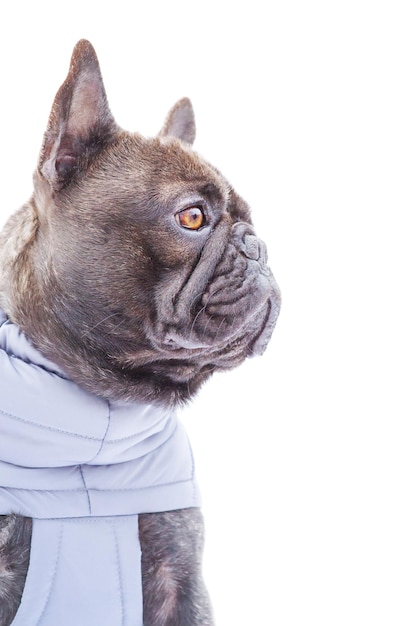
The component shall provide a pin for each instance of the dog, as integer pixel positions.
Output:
(132, 275)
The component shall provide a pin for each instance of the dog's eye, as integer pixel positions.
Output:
(192, 218)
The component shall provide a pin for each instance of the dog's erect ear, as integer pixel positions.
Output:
(180, 122)
(80, 123)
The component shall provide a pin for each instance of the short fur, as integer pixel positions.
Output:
(104, 278)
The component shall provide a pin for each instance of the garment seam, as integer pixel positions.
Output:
(122, 604)
(141, 432)
(111, 520)
(192, 478)
(105, 434)
(80, 436)
(85, 488)
(53, 576)
(50, 428)
(94, 489)
(44, 368)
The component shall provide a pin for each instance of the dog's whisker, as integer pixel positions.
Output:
(89, 330)
(200, 312)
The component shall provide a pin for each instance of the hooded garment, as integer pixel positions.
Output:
(83, 468)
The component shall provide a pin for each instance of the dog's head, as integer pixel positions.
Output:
(135, 266)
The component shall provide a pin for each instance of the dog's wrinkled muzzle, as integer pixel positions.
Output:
(230, 297)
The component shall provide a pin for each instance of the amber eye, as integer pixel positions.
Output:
(192, 218)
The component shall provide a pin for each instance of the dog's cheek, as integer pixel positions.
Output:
(169, 250)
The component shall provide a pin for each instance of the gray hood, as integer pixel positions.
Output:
(65, 452)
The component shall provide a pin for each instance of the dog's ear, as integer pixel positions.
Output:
(180, 122)
(80, 123)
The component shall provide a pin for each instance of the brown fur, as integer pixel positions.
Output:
(100, 273)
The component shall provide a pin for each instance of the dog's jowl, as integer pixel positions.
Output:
(131, 275)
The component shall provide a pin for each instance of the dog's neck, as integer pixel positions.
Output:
(96, 457)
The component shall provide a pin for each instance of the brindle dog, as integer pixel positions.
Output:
(136, 269)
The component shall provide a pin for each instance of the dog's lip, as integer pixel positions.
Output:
(174, 341)
(261, 341)
(178, 343)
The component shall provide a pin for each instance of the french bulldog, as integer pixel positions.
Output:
(135, 268)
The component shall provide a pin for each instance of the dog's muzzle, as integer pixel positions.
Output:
(230, 301)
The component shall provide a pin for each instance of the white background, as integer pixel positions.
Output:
(307, 456)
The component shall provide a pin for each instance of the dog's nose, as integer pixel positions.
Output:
(251, 247)
(248, 243)
(254, 248)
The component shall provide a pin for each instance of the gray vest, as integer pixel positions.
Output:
(83, 468)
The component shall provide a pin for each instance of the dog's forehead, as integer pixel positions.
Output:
(166, 164)
(154, 175)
